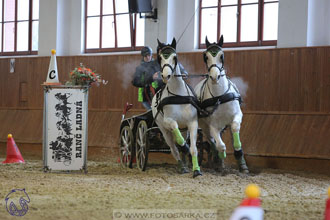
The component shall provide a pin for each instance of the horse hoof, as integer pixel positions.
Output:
(219, 165)
(185, 170)
(197, 173)
(244, 170)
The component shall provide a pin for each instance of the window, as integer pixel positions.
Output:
(241, 22)
(19, 23)
(110, 27)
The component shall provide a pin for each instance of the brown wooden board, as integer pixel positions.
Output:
(286, 108)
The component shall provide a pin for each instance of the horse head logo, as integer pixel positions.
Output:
(15, 197)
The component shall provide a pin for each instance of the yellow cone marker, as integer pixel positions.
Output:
(250, 207)
(252, 191)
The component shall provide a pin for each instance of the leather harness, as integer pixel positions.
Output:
(200, 106)
(192, 99)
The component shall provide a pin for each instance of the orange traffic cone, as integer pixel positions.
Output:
(13, 153)
(327, 207)
(52, 75)
(250, 207)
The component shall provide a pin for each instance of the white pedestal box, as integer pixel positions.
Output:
(65, 128)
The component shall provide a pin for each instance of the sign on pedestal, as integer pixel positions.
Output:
(65, 128)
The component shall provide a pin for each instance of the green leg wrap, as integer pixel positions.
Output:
(178, 137)
(222, 155)
(237, 142)
(195, 163)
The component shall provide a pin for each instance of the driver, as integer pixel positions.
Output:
(147, 78)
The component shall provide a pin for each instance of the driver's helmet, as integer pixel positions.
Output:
(146, 51)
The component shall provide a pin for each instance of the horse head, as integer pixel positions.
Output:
(167, 59)
(214, 59)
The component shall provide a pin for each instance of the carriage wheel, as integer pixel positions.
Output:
(141, 148)
(126, 147)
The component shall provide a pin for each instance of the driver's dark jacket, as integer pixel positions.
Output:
(143, 78)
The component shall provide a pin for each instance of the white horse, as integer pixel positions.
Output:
(221, 98)
(172, 108)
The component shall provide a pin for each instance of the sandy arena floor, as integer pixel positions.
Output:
(107, 186)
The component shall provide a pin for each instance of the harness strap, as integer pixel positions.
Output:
(181, 100)
(216, 101)
(147, 90)
(216, 66)
(192, 91)
(176, 100)
(169, 66)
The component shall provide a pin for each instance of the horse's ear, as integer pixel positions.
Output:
(158, 59)
(173, 44)
(220, 42)
(159, 43)
(204, 57)
(207, 42)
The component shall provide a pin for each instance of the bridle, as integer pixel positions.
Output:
(214, 49)
(166, 52)
(169, 66)
(216, 66)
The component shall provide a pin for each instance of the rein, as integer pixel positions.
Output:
(191, 76)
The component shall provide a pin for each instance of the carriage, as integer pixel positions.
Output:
(180, 106)
(140, 135)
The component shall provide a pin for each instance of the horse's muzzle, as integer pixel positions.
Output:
(215, 79)
(166, 78)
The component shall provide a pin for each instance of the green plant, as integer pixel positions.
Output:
(83, 76)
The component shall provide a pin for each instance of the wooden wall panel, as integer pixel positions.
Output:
(277, 135)
(294, 79)
(287, 105)
(24, 125)
(270, 135)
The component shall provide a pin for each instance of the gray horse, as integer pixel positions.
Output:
(221, 98)
(172, 109)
